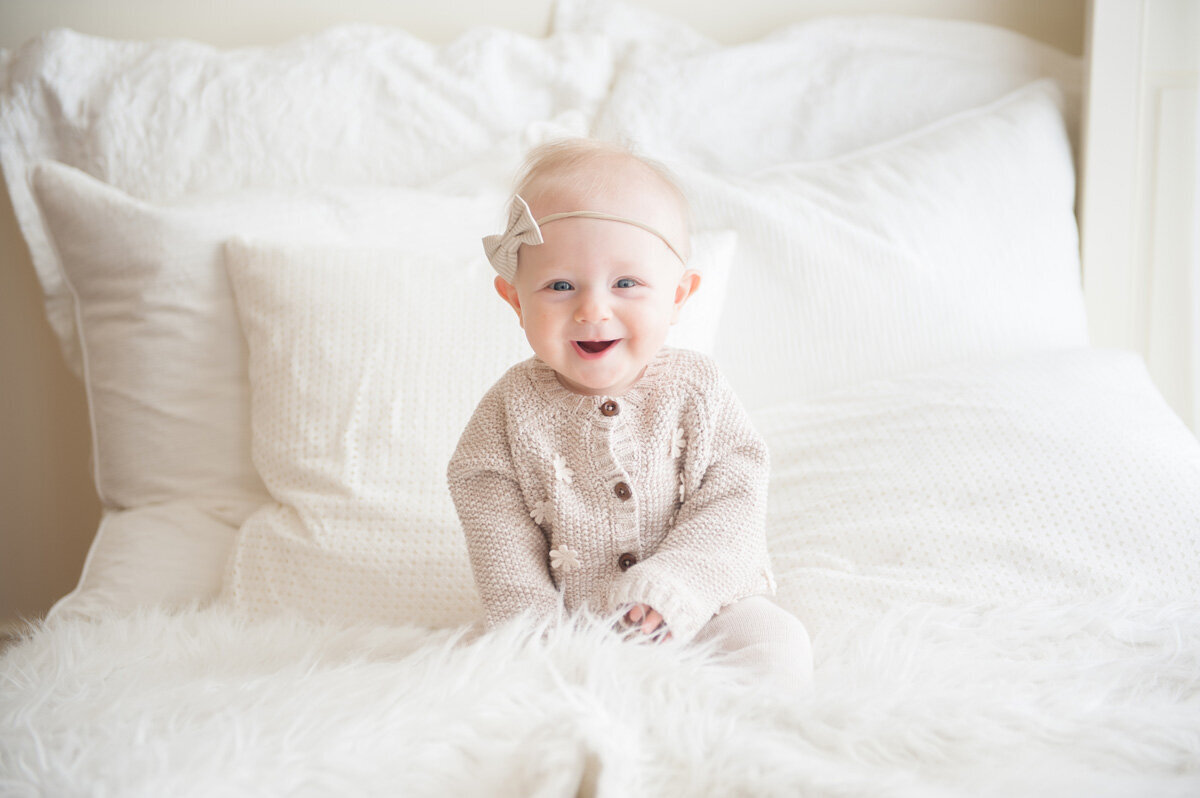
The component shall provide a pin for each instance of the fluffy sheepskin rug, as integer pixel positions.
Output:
(1092, 700)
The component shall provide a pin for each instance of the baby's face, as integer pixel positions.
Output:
(597, 298)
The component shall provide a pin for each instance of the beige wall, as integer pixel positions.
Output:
(48, 505)
(232, 23)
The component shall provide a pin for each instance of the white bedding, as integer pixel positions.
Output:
(1058, 475)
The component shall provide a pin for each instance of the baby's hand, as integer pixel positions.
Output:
(648, 619)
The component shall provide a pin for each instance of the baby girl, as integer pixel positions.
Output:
(610, 471)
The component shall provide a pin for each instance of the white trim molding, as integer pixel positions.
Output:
(1139, 215)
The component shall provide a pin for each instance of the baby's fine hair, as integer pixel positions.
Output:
(569, 163)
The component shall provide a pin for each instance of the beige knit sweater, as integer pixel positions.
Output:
(657, 496)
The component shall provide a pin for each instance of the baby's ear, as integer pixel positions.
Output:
(508, 292)
(688, 283)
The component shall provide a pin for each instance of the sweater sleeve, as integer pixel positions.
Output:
(716, 552)
(507, 550)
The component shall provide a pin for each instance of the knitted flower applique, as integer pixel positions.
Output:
(679, 504)
(561, 472)
(678, 443)
(564, 560)
(542, 512)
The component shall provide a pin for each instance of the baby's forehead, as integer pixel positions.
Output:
(618, 185)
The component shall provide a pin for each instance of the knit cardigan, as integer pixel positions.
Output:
(657, 496)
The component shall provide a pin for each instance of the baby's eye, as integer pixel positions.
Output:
(626, 282)
(560, 285)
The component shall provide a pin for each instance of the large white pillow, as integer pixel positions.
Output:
(355, 105)
(814, 90)
(1055, 475)
(365, 366)
(955, 241)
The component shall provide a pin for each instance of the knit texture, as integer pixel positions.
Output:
(657, 496)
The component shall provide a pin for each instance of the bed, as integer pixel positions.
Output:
(264, 266)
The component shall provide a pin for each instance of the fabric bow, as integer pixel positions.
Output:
(502, 249)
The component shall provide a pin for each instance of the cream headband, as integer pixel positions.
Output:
(523, 229)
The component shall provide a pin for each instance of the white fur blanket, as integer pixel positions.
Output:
(1101, 699)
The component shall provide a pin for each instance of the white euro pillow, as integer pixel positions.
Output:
(1055, 475)
(958, 240)
(814, 90)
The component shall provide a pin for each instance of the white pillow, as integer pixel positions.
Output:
(1058, 474)
(956, 241)
(365, 366)
(814, 90)
(355, 105)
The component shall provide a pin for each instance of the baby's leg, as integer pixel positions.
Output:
(766, 638)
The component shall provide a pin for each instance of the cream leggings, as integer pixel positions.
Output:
(765, 638)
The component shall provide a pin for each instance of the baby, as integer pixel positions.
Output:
(610, 471)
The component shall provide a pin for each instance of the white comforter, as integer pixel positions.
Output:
(1098, 699)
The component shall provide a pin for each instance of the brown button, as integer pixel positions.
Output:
(610, 408)
(626, 561)
(622, 490)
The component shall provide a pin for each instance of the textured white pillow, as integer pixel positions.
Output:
(365, 366)
(956, 241)
(1057, 474)
(814, 90)
(355, 105)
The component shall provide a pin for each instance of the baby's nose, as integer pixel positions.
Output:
(592, 308)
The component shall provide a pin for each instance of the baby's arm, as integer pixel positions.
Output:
(508, 551)
(716, 552)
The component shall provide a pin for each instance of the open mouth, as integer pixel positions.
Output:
(594, 348)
